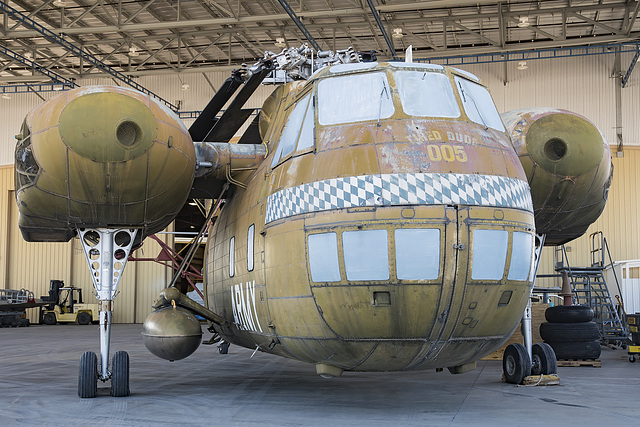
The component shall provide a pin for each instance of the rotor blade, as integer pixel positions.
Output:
(224, 130)
(233, 118)
(252, 134)
(206, 120)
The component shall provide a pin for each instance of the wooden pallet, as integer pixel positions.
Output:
(596, 363)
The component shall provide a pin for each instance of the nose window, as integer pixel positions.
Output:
(520, 256)
(489, 254)
(323, 257)
(366, 254)
(417, 254)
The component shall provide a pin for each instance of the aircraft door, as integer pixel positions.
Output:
(456, 258)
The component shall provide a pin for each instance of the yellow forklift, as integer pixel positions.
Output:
(66, 306)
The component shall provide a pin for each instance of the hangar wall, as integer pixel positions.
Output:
(32, 265)
(580, 84)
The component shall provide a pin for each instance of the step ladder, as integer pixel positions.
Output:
(590, 288)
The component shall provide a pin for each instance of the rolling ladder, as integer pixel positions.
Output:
(590, 288)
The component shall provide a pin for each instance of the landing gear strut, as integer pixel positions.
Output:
(106, 251)
(520, 361)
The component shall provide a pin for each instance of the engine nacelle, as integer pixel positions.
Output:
(172, 333)
(568, 165)
(101, 157)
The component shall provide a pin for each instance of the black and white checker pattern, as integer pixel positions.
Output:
(399, 189)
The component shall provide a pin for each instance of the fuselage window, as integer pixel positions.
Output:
(417, 253)
(323, 257)
(520, 256)
(232, 257)
(355, 98)
(291, 131)
(366, 254)
(250, 237)
(478, 104)
(428, 94)
(489, 254)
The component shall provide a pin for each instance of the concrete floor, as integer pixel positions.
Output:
(39, 368)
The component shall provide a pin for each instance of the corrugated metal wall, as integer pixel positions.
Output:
(581, 84)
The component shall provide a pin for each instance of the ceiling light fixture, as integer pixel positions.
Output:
(397, 33)
(523, 22)
(185, 86)
(280, 42)
(59, 3)
(133, 52)
(522, 65)
(6, 96)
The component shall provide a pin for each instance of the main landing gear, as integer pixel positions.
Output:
(520, 361)
(106, 251)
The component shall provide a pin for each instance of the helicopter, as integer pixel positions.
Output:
(374, 216)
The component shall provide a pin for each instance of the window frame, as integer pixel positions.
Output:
(251, 233)
(232, 256)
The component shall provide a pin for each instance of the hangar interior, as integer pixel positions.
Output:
(574, 55)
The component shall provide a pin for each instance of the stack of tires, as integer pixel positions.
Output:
(570, 331)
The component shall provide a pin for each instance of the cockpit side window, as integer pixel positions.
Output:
(354, 98)
(292, 131)
(426, 94)
(478, 104)
(26, 166)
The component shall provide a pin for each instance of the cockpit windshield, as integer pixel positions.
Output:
(354, 98)
(478, 104)
(427, 94)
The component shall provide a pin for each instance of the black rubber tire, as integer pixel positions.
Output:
(569, 314)
(569, 332)
(516, 363)
(576, 350)
(49, 319)
(83, 318)
(223, 347)
(544, 360)
(120, 374)
(88, 375)
(632, 359)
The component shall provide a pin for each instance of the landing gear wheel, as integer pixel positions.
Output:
(84, 318)
(632, 358)
(88, 375)
(544, 360)
(49, 319)
(120, 374)
(223, 347)
(515, 363)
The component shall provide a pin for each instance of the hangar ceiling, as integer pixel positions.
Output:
(146, 37)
